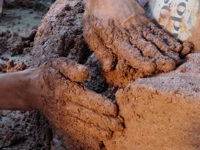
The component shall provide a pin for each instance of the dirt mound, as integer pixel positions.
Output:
(37, 4)
(24, 131)
(15, 50)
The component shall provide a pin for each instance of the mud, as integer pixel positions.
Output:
(15, 50)
(161, 112)
(64, 23)
(60, 26)
(79, 112)
(23, 130)
(85, 123)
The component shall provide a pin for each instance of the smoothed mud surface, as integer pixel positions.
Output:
(161, 112)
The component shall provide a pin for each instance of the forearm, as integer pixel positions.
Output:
(18, 90)
(1, 6)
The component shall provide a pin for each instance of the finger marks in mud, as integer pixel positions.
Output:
(90, 99)
(172, 42)
(91, 117)
(183, 48)
(106, 57)
(87, 129)
(135, 58)
(81, 141)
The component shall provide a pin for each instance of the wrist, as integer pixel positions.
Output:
(35, 91)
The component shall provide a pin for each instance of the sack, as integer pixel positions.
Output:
(179, 17)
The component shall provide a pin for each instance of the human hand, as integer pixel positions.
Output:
(123, 38)
(77, 111)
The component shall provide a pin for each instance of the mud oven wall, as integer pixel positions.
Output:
(162, 112)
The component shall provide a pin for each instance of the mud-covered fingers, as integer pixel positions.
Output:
(112, 38)
(76, 93)
(164, 59)
(74, 137)
(144, 31)
(172, 42)
(175, 45)
(164, 62)
(74, 127)
(91, 117)
(187, 48)
(173, 56)
(157, 40)
(106, 58)
(63, 120)
(125, 50)
(72, 70)
(87, 129)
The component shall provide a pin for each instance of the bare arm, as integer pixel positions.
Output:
(1, 6)
(17, 90)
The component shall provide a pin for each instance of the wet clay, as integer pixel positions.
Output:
(161, 112)
(89, 120)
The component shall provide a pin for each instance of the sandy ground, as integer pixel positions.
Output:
(19, 129)
(16, 20)
(19, 19)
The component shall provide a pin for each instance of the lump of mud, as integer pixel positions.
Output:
(15, 44)
(11, 67)
(27, 34)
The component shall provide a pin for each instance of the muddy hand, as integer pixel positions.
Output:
(120, 29)
(72, 107)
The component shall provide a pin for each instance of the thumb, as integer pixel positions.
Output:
(72, 70)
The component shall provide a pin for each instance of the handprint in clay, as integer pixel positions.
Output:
(122, 36)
